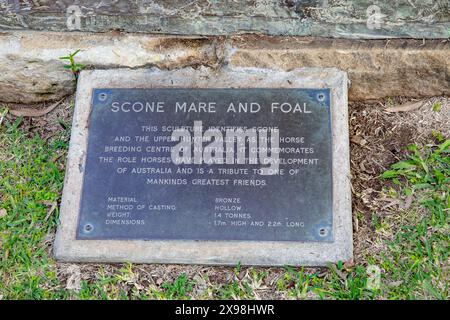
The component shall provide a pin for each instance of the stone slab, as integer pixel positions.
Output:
(321, 18)
(30, 71)
(377, 69)
(68, 247)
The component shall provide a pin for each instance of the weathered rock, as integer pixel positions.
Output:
(376, 68)
(31, 71)
(33, 80)
(69, 246)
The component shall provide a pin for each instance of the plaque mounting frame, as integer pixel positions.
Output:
(218, 252)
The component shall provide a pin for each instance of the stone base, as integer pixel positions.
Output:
(31, 72)
(69, 248)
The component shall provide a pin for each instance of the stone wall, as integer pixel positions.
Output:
(324, 18)
(31, 71)
(388, 48)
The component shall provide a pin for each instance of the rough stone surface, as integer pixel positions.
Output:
(33, 80)
(31, 72)
(376, 68)
(67, 248)
(323, 18)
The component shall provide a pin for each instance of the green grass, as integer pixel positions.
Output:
(412, 259)
(418, 255)
(179, 289)
(31, 177)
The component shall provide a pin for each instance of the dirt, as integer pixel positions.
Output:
(378, 139)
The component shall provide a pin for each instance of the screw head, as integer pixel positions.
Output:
(102, 96)
(88, 228)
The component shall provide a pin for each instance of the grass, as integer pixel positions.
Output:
(31, 177)
(409, 245)
(419, 250)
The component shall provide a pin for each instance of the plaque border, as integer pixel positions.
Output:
(208, 252)
(328, 127)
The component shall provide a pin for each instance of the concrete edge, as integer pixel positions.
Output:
(68, 249)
